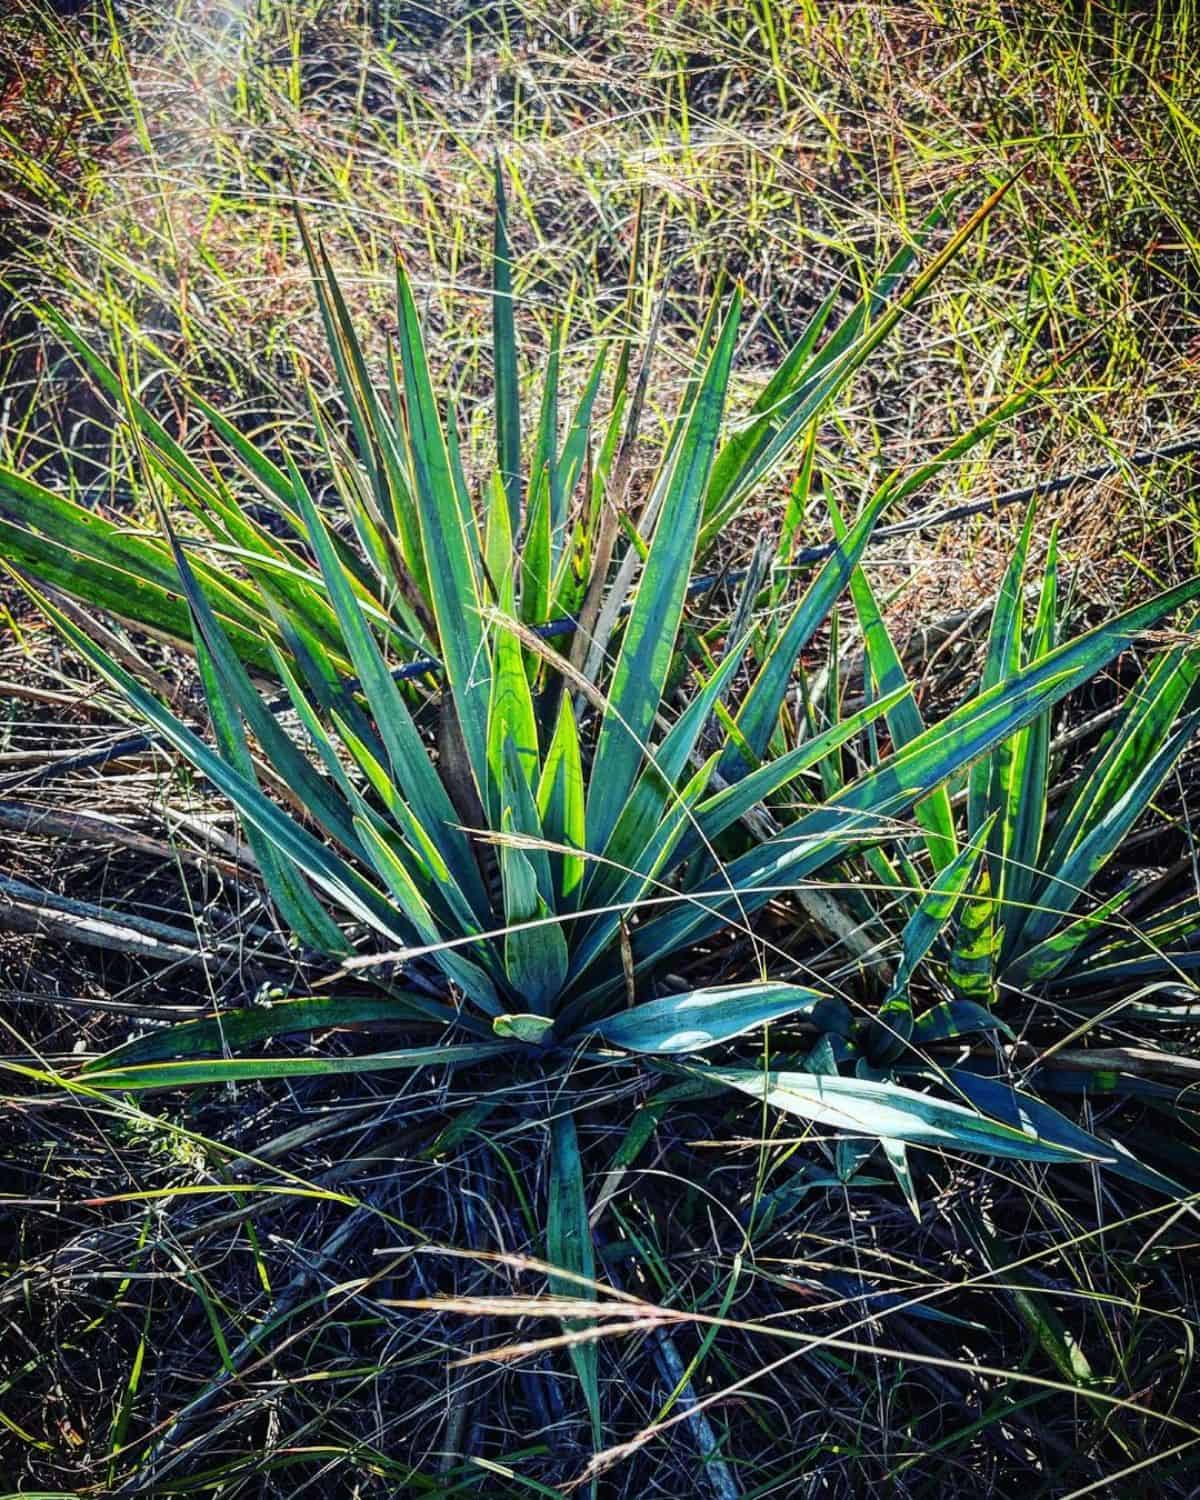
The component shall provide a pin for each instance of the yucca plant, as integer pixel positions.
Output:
(1044, 844)
(571, 835)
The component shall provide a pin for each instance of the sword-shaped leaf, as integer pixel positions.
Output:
(320, 864)
(1029, 779)
(504, 359)
(233, 1029)
(975, 955)
(893, 1027)
(569, 1247)
(176, 1075)
(451, 544)
(411, 768)
(473, 980)
(904, 718)
(1115, 787)
(560, 802)
(1047, 959)
(299, 909)
(999, 1121)
(703, 1018)
(865, 810)
(757, 717)
(648, 645)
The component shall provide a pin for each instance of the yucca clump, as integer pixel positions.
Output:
(567, 835)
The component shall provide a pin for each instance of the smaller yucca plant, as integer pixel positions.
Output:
(1043, 845)
(573, 834)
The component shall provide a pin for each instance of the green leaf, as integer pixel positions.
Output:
(894, 1025)
(989, 780)
(175, 1075)
(1051, 956)
(379, 448)
(450, 542)
(575, 447)
(301, 912)
(702, 1018)
(760, 708)
(560, 803)
(73, 549)
(650, 632)
(410, 764)
(231, 697)
(793, 397)
(523, 1028)
(884, 1110)
(904, 718)
(723, 808)
(536, 566)
(754, 452)
(1115, 787)
(465, 972)
(1022, 1111)
(1029, 774)
(864, 810)
(333, 875)
(511, 717)
(975, 955)
(896, 1153)
(544, 469)
(951, 1018)
(643, 812)
(233, 1029)
(535, 955)
(657, 857)
(504, 356)
(569, 1247)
